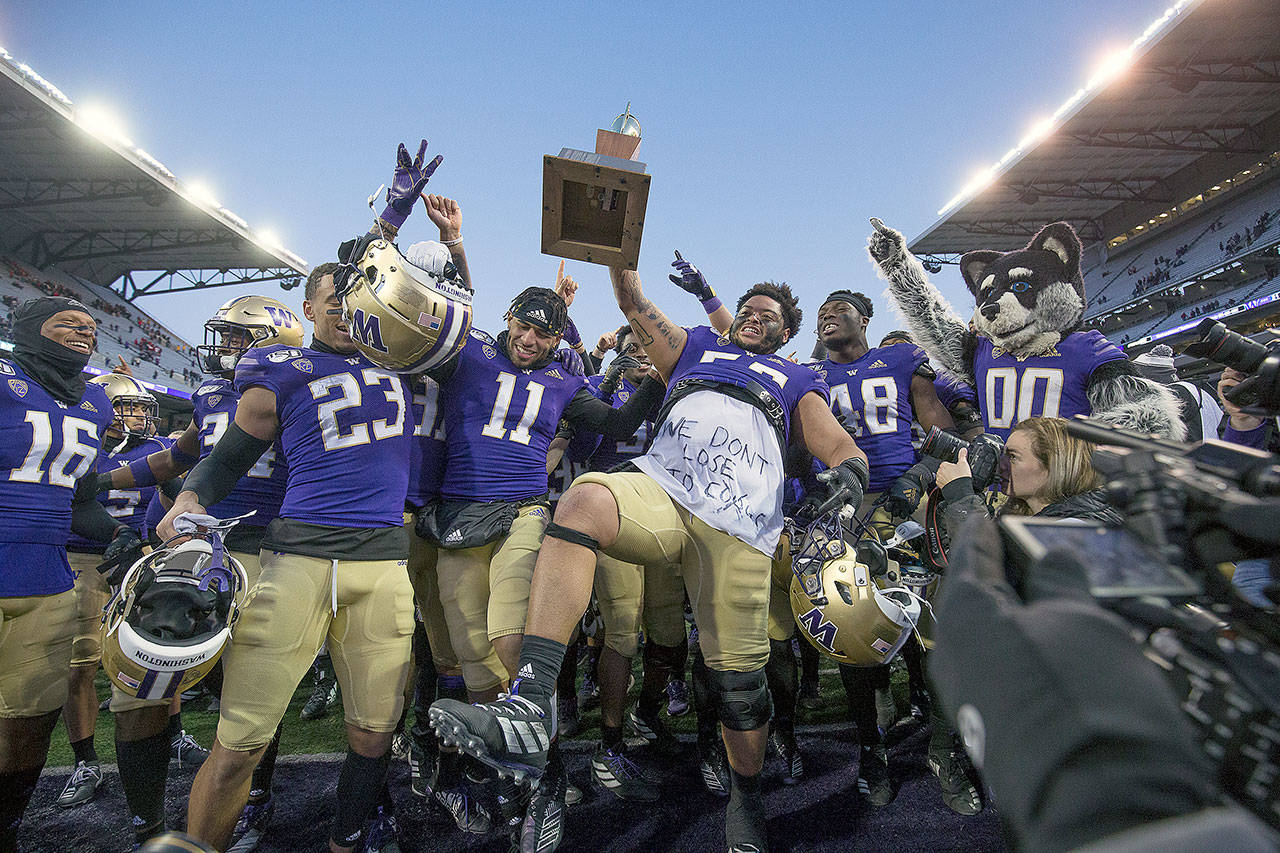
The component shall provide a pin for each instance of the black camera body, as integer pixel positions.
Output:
(1259, 393)
(984, 451)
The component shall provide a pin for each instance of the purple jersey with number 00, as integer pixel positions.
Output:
(345, 427)
(262, 489)
(1053, 385)
(500, 420)
(45, 447)
(873, 395)
(127, 506)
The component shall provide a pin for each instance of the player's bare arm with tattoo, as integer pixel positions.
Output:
(663, 340)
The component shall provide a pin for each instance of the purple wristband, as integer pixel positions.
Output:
(571, 336)
(712, 304)
(142, 474)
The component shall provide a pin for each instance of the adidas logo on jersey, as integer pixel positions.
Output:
(877, 363)
(555, 373)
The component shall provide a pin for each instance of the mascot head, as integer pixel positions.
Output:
(1031, 298)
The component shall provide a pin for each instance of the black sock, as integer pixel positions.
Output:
(174, 729)
(84, 750)
(260, 788)
(424, 681)
(704, 702)
(780, 672)
(451, 687)
(16, 789)
(567, 680)
(540, 660)
(593, 658)
(860, 691)
(744, 820)
(144, 765)
(660, 664)
(449, 771)
(809, 658)
(610, 736)
(359, 789)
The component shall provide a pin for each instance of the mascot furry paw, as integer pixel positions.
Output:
(1024, 349)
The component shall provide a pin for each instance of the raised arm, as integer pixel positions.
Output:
(663, 340)
(447, 216)
(691, 280)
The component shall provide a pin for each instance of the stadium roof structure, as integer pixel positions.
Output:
(77, 195)
(1193, 100)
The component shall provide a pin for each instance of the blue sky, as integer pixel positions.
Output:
(772, 131)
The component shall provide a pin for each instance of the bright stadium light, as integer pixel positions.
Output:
(103, 124)
(268, 238)
(1110, 68)
(1038, 132)
(202, 195)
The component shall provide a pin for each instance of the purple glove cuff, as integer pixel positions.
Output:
(571, 336)
(391, 216)
(143, 476)
(712, 304)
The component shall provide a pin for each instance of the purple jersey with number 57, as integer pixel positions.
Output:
(1053, 385)
(262, 489)
(873, 395)
(500, 420)
(44, 448)
(345, 425)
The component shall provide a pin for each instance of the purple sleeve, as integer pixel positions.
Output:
(263, 368)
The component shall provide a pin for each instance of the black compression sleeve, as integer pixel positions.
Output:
(88, 517)
(232, 457)
(587, 412)
(171, 488)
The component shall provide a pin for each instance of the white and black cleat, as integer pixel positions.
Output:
(511, 735)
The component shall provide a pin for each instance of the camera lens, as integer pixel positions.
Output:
(943, 445)
(1220, 344)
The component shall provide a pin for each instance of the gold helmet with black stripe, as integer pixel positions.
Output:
(136, 408)
(243, 323)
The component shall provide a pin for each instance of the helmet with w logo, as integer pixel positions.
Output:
(243, 323)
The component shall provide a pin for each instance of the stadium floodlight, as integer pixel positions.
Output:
(201, 195)
(103, 124)
(1115, 64)
(1038, 132)
(267, 238)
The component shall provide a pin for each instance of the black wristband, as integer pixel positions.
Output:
(217, 474)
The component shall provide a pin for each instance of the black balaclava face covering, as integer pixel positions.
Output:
(58, 369)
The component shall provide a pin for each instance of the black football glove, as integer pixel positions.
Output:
(613, 376)
(125, 550)
(904, 495)
(846, 484)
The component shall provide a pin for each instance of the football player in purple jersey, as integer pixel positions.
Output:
(52, 424)
(707, 492)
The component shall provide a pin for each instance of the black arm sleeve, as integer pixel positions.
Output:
(592, 363)
(88, 517)
(443, 373)
(216, 475)
(587, 412)
(171, 488)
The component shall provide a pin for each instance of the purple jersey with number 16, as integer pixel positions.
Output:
(1053, 385)
(44, 448)
(873, 395)
(262, 489)
(500, 420)
(345, 426)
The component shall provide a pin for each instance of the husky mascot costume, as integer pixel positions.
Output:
(1024, 350)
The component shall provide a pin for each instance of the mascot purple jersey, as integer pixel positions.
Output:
(262, 489)
(1051, 385)
(500, 420)
(45, 447)
(345, 430)
(872, 395)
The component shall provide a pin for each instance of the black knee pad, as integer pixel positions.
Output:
(743, 699)
(568, 534)
(670, 658)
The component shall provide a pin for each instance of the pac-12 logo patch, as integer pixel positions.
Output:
(489, 352)
(19, 387)
(283, 355)
(214, 399)
(303, 364)
(822, 631)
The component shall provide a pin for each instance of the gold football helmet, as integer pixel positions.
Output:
(173, 615)
(243, 323)
(406, 317)
(841, 601)
(135, 407)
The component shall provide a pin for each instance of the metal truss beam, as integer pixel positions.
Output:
(179, 281)
(1125, 189)
(1224, 139)
(73, 246)
(1090, 230)
(25, 194)
(1261, 70)
(945, 258)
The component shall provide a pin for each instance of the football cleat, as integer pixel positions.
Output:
(714, 767)
(400, 746)
(383, 834)
(422, 769)
(588, 693)
(82, 785)
(323, 697)
(567, 715)
(184, 751)
(873, 776)
(677, 698)
(958, 790)
(655, 734)
(784, 746)
(511, 735)
(620, 776)
(744, 825)
(251, 826)
(543, 827)
(468, 813)
(809, 698)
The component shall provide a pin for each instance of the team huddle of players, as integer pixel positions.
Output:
(374, 497)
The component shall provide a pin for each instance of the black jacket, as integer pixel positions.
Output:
(961, 503)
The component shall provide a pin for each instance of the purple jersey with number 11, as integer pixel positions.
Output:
(344, 427)
(873, 395)
(1053, 385)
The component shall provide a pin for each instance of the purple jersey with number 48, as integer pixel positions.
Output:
(1053, 385)
(44, 448)
(344, 427)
